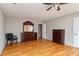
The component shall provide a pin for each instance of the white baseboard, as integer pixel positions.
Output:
(3, 48)
(68, 44)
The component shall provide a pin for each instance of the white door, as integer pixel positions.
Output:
(44, 31)
(76, 32)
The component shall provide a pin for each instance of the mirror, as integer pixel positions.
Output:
(28, 26)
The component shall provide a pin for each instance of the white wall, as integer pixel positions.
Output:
(2, 31)
(15, 25)
(64, 22)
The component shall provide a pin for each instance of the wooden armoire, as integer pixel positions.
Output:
(28, 32)
(58, 36)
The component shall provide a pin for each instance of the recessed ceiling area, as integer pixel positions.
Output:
(37, 10)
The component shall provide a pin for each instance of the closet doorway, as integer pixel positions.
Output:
(39, 31)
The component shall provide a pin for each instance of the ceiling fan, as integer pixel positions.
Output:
(54, 5)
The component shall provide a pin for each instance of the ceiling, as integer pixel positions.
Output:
(37, 10)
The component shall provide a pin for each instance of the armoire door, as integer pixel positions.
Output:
(58, 36)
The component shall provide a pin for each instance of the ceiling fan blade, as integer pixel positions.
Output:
(49, 8)
(47, 3)
(62, 3)
(13, 3)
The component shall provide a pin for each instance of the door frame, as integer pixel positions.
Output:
(74, 34)
(44, 32)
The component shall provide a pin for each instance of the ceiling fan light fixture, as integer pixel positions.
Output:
(55, 6)
(58, 8)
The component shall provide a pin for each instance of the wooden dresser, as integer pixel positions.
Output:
(58, 36)
(28, 36)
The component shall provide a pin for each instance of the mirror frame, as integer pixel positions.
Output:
(28, 23)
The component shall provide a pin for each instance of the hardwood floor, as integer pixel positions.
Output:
(39, 48)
